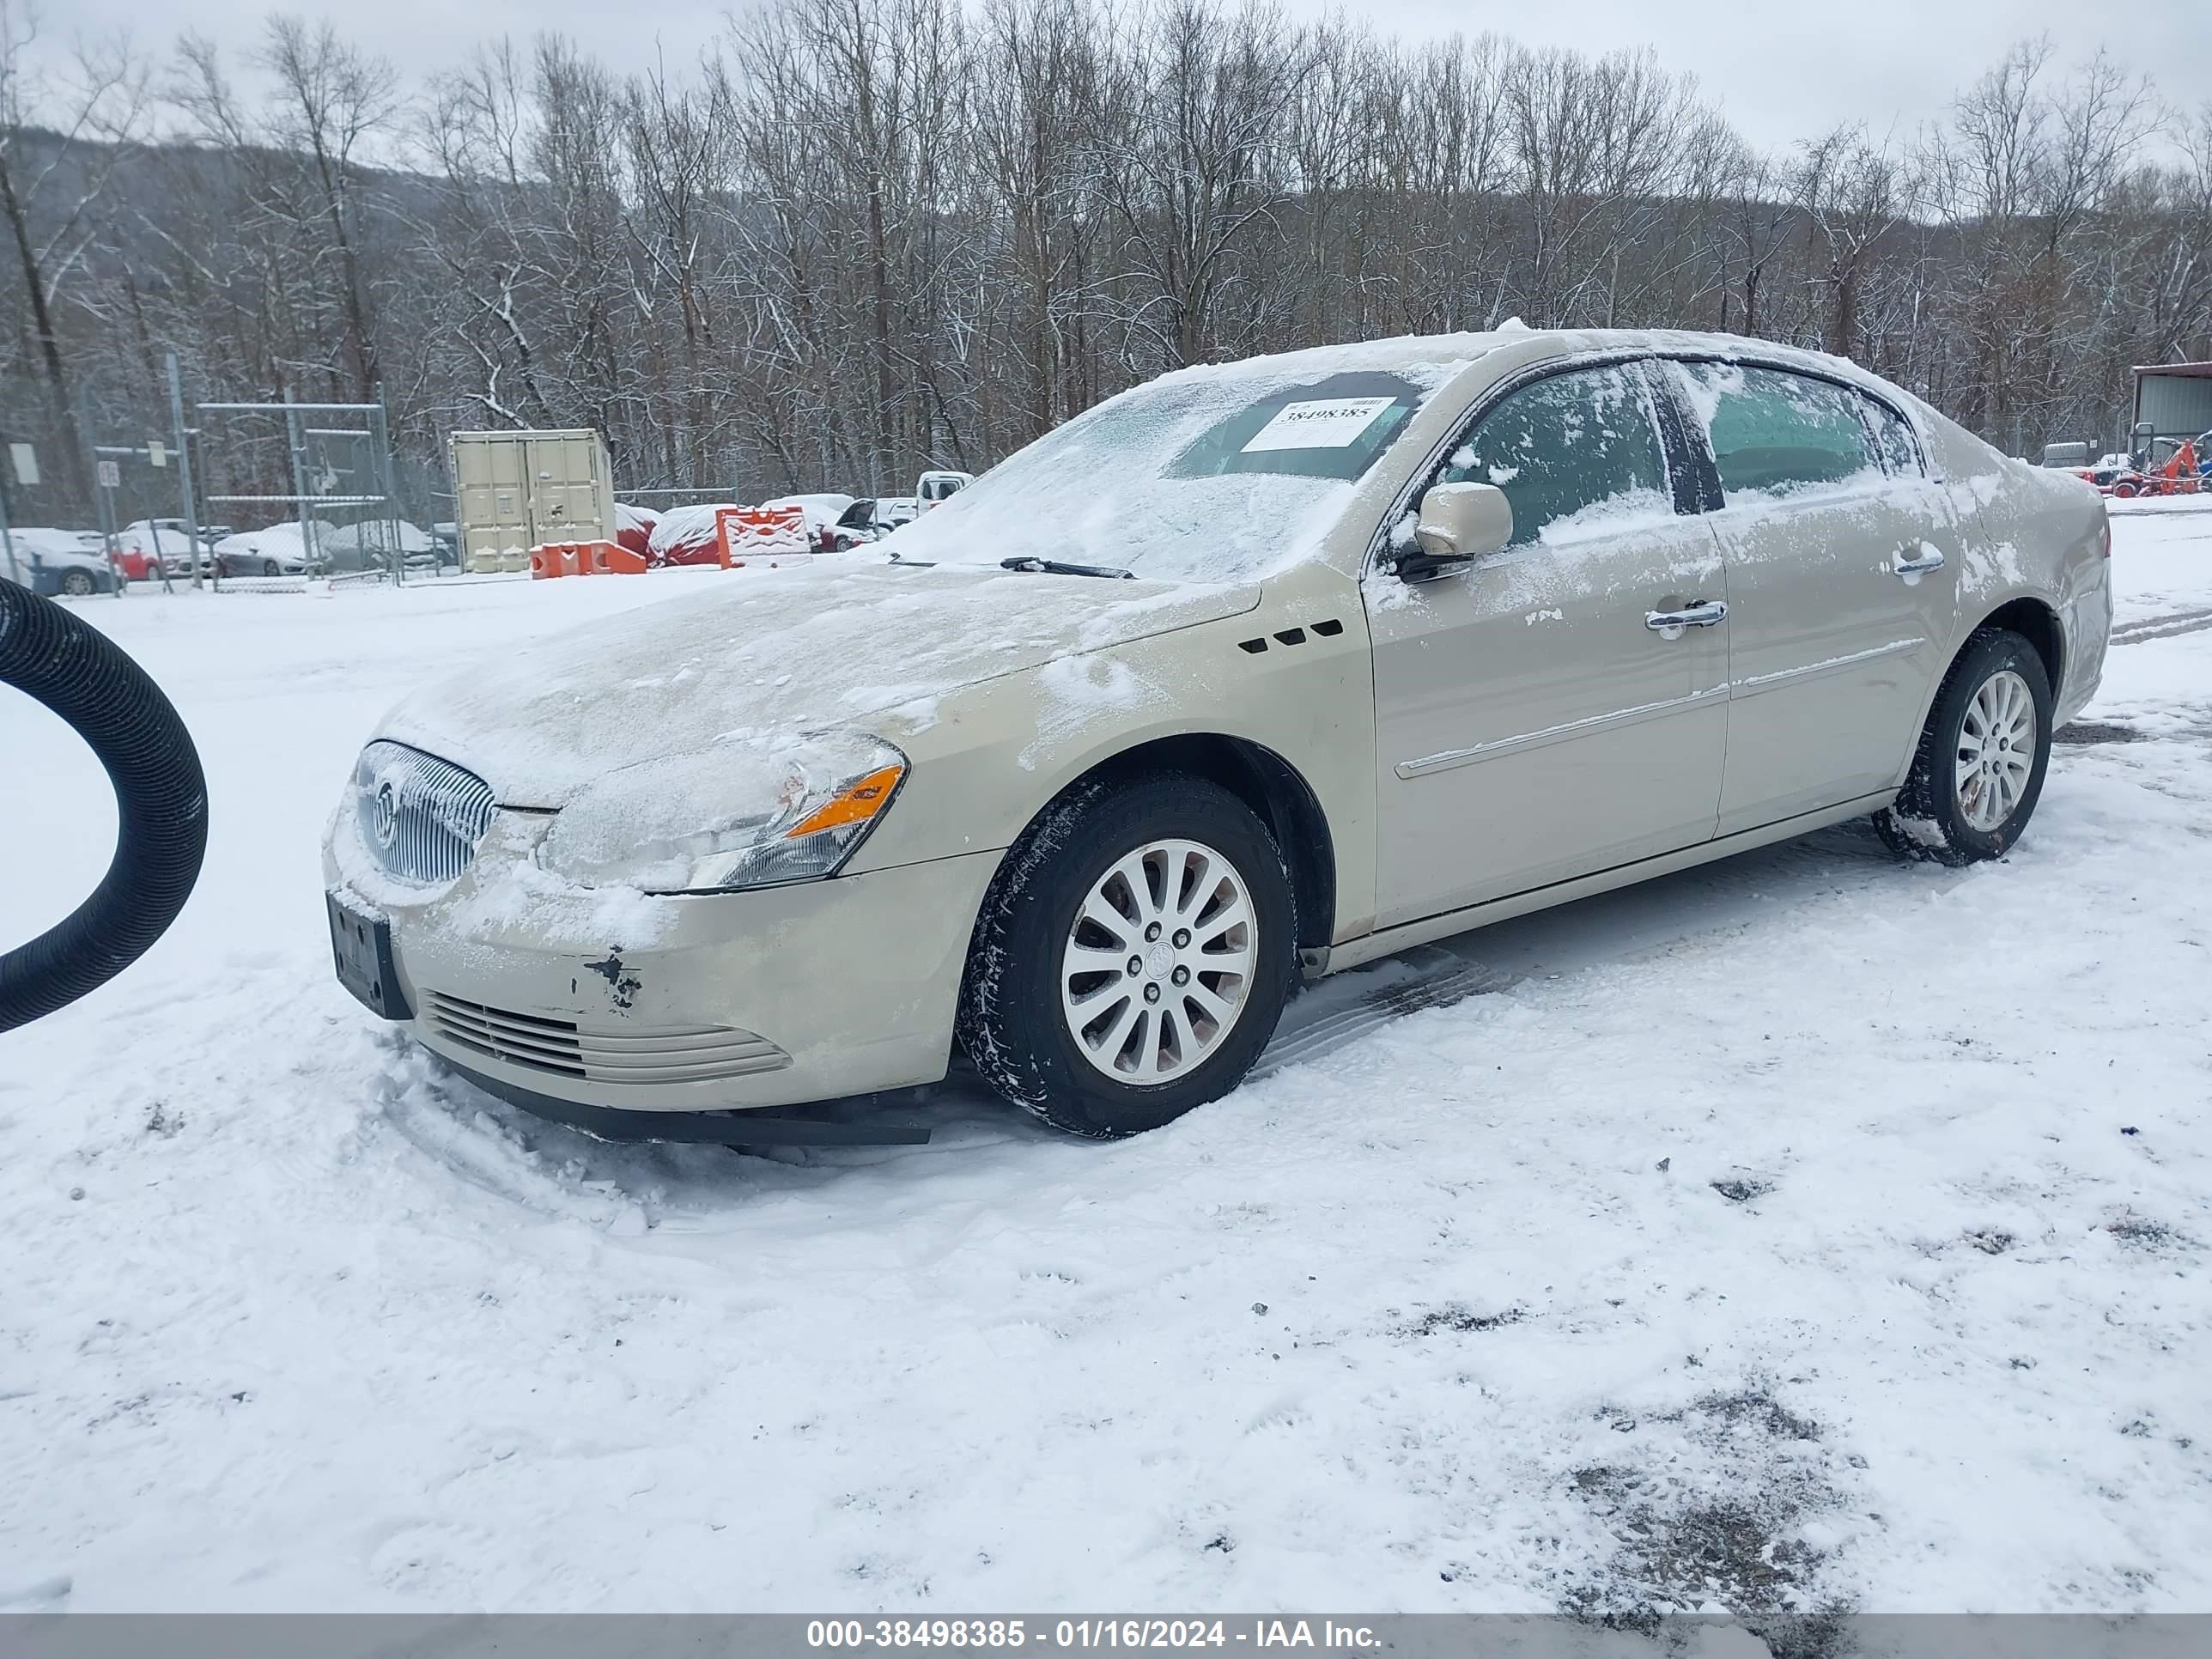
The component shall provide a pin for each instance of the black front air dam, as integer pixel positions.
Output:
(832, 1123)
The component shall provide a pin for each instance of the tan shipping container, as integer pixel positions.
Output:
(521, 490)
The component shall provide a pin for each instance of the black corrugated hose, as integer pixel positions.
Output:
(161, 800)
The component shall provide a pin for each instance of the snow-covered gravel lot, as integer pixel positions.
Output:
(1808, 1231)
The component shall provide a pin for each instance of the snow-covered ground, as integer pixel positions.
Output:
(1804, 1231)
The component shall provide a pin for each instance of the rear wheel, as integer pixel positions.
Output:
(1131, 957)
(1979, 768)
(78, 582)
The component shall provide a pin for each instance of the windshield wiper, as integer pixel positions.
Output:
(1056, 567)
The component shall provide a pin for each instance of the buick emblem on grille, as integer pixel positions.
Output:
(420, 816)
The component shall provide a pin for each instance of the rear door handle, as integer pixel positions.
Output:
(1910, 562)
(1669, 624)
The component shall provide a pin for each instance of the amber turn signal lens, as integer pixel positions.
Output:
(860, 800)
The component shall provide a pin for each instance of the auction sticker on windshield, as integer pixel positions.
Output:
(1322, 423)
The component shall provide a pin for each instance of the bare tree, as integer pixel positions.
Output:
(53, 182)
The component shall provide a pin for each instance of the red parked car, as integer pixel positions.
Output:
(685, 535)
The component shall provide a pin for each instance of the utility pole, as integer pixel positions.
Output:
(8, 539)
(103, 493)
(379, 423)
(184, 469)
(300, 479)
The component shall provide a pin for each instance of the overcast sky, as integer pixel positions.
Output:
(1783, 71)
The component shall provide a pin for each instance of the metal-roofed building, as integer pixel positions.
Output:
(2172, 400)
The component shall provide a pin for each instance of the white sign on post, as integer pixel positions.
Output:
(111, 476)
(27, 464)
(155, 453)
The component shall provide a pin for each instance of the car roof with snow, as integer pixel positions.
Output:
(58, 546)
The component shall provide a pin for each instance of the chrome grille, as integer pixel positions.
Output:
(421, 817)
(545, 1043)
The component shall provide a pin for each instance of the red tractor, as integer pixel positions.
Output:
(2182, 473)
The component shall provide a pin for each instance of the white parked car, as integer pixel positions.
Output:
(1258, 671)
(279, 550)
(869, 520)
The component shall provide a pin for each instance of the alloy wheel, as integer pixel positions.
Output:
(1158, 963)
(1996, 750)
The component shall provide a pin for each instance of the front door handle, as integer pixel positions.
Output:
(1917, 562)
(1669, 624)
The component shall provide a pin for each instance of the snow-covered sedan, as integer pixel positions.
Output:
(59, 562)
(1257, 672)
(279, 550)
(871, 520)
(147, 548)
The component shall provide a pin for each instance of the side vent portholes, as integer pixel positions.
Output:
(1329, 629)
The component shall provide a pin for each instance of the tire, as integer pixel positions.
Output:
(1014, 1022)
(153, 571)
(1951, 811)
(2125, 491)
(78, 583)
(269, 568)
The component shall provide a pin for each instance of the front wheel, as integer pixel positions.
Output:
(77, 583)
(1132, 956)
(269, 568)
(1978, 770)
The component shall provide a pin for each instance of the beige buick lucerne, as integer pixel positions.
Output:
(1255, 672)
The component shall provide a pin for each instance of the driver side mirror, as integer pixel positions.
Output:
(1458, 523)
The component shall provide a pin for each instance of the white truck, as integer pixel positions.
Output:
(934, 487)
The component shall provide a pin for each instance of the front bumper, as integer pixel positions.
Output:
(817, 991)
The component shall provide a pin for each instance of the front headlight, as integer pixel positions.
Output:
(727, 818)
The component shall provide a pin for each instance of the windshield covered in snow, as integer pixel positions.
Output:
(1202, 475)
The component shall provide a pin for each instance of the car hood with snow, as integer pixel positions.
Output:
(769, 655)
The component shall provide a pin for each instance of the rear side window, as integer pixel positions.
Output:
(1775, 434)
(1578, 451)
(1893, 435)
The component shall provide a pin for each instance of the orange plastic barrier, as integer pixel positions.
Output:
(584, 559)
(762, 535)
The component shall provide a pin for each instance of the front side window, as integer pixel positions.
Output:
(1575, 453)
(1775, 434)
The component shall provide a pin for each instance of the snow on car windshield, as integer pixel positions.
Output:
(1206, 474)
